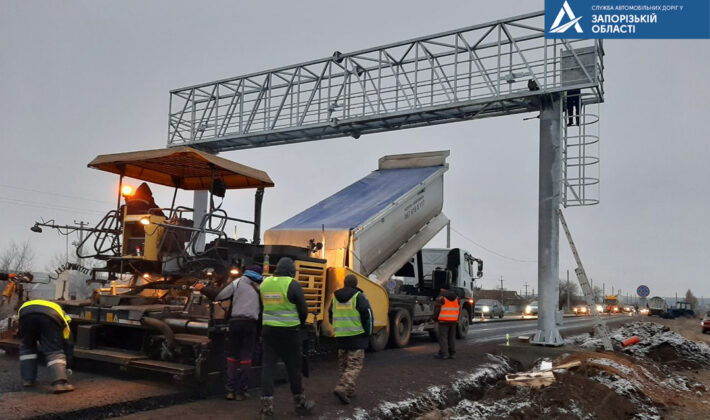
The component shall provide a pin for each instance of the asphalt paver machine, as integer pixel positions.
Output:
(147, 315)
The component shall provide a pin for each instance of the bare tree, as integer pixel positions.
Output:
(17, 257)
(690, 298)
(573, 288)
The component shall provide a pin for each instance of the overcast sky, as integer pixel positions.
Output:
(80, 79)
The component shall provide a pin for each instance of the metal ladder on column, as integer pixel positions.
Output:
(600, 327)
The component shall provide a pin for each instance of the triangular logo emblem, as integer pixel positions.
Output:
(573, 21)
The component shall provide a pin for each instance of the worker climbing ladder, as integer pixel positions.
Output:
(600, 328)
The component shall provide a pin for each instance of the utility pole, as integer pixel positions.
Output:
(526, 290)
(568, 290)
(501, 290)
(80, 247)
(603, 290)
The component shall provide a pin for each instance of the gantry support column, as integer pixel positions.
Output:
(548, 237)
(199, 210)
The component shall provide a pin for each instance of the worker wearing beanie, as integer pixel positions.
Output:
(285, 311)
(446, 315)
(44, 322)
(352, 324)
(243, 326)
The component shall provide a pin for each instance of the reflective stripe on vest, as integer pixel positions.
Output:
(278, 311)
(449, 311)
(346, 318)
(66, 332)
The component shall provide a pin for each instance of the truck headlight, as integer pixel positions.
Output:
(528, 309)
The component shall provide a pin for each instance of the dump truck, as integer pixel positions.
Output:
(611, 304)
(657, 306)
(376, 229)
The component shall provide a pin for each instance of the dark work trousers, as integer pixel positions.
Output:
(240, 348)
(447, 338)
(36, 327)
(285, 344)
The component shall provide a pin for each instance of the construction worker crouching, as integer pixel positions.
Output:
(446, 314)
(44, 322)
(352, 326)
(285, 310)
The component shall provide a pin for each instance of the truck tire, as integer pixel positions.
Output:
(378, 340)
(464, 322)
(400, 328)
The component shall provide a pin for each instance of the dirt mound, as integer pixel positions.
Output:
(657, 342)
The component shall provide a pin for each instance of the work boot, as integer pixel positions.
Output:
(267, 408)
(303, 405)
(342, 396)
(230, 395)
(28, 384)
(241, 396)
(440, 356)
(61, 387)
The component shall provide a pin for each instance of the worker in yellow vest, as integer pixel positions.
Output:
(44, 322)
(446, 315)
(285, 311)
(352, 325)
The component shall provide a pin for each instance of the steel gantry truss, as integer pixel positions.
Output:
(480, 71)
(498, 68)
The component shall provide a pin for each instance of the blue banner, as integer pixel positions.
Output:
(627, 19)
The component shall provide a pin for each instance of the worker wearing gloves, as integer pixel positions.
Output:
(44, 322)
(352, 325)
(285, 311)
(243, 326)
(446, 315)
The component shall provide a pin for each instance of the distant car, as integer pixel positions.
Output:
(581, 310)
(644, 311)
(530, 310)
(628, 309)
(489, 308)
(706, 322)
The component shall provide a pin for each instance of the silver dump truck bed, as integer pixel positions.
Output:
(368, 222)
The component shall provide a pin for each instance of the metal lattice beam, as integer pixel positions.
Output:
(475, 72)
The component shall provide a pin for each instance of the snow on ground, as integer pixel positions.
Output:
(439, 396)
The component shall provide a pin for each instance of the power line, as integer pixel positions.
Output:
(25, 203)
(492, 251)
(73, 197)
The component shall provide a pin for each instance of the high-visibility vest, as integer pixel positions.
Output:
(278, 310)
(66, 332)
(449, 311)
(346, 318)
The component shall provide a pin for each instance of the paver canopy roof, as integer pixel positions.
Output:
(182, 167)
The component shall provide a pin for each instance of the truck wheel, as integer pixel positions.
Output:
(400, 328)
(378, 340)
(462, 326)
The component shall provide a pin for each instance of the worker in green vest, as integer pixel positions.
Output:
(352, 325)
(44, 322)
(285, 311)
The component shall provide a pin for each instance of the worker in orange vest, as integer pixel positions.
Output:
(446, 315)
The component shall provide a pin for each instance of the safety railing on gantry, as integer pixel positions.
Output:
(485, 70)
(580, 152)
